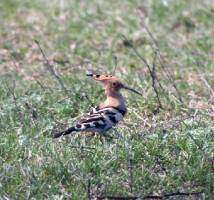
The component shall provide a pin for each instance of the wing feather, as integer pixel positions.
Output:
(100, 120)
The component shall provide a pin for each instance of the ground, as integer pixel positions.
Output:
(164, 147)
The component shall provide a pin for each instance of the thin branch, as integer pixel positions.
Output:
(50, 68)
(116, 198)
(115, 65)
(151, 71)
(12, 92)
(31, 110)
(130, 45)
(14, 63)
(161, 60)
(130, 169)
(206, 82)
(154, 77)
(174, 194)
(39, 83)
(82, 147)
(89, 189)
(164, 196)
(89, 100)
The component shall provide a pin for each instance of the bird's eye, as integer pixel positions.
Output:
(114, 84)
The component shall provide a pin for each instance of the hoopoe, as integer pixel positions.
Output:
(108, 113)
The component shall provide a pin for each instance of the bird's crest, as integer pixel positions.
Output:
(101, 77)
(112, 83)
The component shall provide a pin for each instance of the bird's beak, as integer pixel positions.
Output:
(132, 90)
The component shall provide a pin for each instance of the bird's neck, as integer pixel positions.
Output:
(115, 100)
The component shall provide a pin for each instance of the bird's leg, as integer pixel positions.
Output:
(90, 134)
(106, 136)
(101, 139)
(118, 134)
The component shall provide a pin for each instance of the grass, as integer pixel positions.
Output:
(161, 151)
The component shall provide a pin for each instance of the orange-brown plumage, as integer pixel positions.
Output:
(108, 113)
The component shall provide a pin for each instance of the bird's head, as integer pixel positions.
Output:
(112, 84)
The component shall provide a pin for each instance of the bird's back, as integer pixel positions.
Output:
(100, 119)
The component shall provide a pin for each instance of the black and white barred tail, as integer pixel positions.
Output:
(66, 132)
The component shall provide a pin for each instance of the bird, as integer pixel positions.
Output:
(108, 113)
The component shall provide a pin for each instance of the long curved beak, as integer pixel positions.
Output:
(132, 90)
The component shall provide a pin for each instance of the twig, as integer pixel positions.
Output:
(130, 45)
(82, 147)
(151, 71)
(13, 94)
(116, 198)
(130, 169)
(115, 65)
(161, 60)
(164, 196)
(12, 91)
(172, 195)
(14, 63)
(50, 68)
(200, 147)
(39, 83)
(89, 189)
(154, 77)
(211, 161)
(31, 110)
(205, 81)
(88, 99)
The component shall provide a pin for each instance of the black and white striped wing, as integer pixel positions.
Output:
(100, 120)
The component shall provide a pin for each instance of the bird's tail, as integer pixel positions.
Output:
(66, 132)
